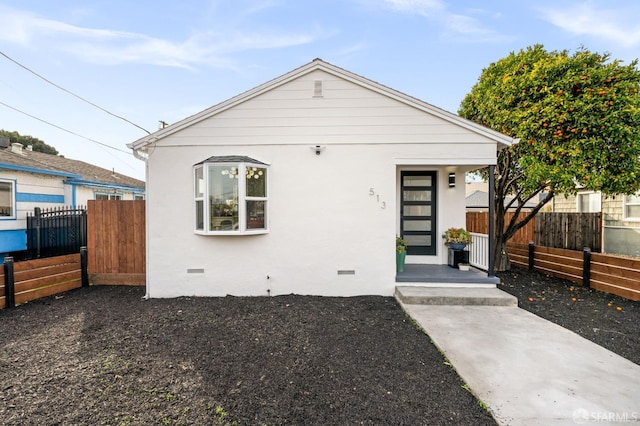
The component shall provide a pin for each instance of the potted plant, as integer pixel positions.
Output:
(457, 238)
(401, 253)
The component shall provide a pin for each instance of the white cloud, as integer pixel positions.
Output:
(421, 7)
(619, 25)
(461, 25)
(107, 46)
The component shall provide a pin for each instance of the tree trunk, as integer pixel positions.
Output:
(502, 262)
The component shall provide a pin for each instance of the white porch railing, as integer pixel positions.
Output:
(479, 251)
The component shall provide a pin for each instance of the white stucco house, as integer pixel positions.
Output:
(301, 185)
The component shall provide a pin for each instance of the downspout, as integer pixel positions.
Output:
(73, 195)
(145, 157)
(492, 222)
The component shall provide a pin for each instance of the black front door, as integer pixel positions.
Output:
(418, 212)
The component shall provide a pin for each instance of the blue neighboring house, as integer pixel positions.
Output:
(30, 179)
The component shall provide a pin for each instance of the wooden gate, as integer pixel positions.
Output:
(116, 242)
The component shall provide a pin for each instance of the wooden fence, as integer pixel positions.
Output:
(479, 222)
(573, 231)
(608, 273)
(33, 279)
(116, 242)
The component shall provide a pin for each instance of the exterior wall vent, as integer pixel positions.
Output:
(346, 272)
(317, 89)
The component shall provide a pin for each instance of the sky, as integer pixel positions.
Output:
(146, 61)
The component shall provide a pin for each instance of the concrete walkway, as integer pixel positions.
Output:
(530, 371)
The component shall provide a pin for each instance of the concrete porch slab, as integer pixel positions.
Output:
(443, 274)
(413, 295)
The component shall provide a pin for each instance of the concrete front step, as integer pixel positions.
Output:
(454, 296)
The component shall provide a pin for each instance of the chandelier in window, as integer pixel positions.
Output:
(251, 172)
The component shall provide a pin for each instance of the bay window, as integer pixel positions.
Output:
(230, 194)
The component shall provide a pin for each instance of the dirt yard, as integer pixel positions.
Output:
(104, 356)
(605, 319)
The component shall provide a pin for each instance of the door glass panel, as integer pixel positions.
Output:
(417, 210)
(415, 195)
(417, 225)
(418, 240)
(417, 180)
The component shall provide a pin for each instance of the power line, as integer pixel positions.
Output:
(71, 93)
(64, 130)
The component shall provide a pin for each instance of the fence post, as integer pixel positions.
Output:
(37, 212)
(9, 283)
(531, 251)
(586, 267)
(83, 266)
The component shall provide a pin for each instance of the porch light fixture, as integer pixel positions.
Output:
(452, 180)
(318, 149)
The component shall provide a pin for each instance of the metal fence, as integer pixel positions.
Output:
(56, 231)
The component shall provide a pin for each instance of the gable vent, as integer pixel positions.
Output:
(317, 88)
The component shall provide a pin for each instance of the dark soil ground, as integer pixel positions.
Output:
(605, 319)
(102, 355)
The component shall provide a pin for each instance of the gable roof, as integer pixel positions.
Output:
(319, 64)
(73, 170)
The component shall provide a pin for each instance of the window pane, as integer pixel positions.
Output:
(633, 211)
(417, 210)
(633, 199)
(583, 203)
(418, 240)
(417, 195)
(256, 182)
(102, 197)
(6, 199)
(417, 225)
(223, 197)
(417, 181)
(255, 214)
(200, 215)
(199, 183)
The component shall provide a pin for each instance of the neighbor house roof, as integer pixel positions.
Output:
(75, 171)
(480, 199)
(319, 64)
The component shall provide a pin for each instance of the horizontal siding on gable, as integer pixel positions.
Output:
(346, 114)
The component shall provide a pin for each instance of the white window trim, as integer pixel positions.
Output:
(242, 199)
(587, 193)
(14, 206)
(120, 194)
(625, 218)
